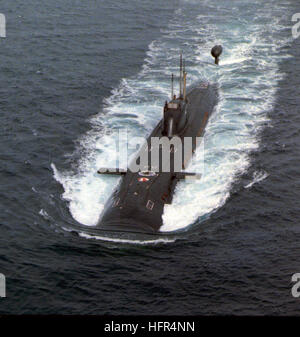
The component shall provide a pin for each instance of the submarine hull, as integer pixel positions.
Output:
(137, 205)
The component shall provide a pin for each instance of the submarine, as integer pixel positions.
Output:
(137, 203)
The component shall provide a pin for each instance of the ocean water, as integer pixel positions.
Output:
(72, 72)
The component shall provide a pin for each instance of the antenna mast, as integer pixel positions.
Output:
(184, 81)
(180, 77)
(172, 87)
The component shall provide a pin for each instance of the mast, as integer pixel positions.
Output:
(172, 87)
(184, 81)
(180, 77)
(184, 85)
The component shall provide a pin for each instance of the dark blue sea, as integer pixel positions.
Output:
(72, 70)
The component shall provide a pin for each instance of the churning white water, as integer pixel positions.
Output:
(247, 79)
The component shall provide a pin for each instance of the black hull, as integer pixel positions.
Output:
(137, 207)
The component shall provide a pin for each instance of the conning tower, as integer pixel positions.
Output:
(175, 111)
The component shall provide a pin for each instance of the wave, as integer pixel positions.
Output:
(258, 176)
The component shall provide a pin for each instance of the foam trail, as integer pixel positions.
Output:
(44, 214)
(257, 177)
(136, 242)
(247, 79)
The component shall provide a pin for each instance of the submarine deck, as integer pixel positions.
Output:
(137, 204)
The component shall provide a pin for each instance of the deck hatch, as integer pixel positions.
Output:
(150, 205)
